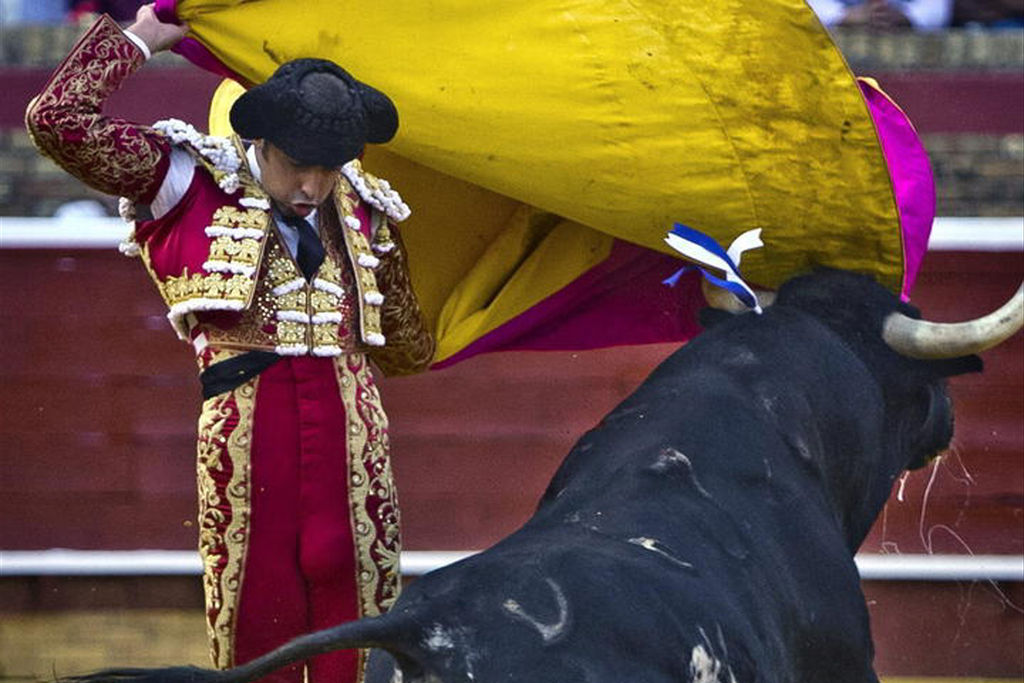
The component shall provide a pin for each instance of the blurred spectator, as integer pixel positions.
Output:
(995, 13)
(32, 11)
(120, 10)
(885, 14)
(58, 11)
(81, 208)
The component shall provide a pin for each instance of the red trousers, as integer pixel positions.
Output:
(279, 491)
(300, 571)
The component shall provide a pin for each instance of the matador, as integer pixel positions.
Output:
(281, 265)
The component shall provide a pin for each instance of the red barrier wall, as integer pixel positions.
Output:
(100, 401)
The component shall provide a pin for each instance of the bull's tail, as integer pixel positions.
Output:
(378, 632)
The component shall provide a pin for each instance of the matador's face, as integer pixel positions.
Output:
(296, 188)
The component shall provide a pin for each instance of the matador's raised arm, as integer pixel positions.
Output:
(66, 122)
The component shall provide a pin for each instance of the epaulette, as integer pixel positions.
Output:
(375, 191)
(222, 156)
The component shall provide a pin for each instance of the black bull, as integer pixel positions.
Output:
(703, 531)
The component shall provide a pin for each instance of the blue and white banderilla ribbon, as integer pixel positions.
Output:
(706, 253)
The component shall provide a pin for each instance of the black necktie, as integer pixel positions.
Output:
(310, 253)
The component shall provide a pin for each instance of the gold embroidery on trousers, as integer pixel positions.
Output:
(224, 443)
(372, 497)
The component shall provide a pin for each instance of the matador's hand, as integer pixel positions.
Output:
(156, 34)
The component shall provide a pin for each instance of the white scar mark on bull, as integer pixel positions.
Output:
(705, 667)
(670, 459)
(576, 517)
(741, 356)
(768, 403)
(801, 447)
(548, 632)
(440, 639)
(658, 548)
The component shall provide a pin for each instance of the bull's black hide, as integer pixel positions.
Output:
(704, 530)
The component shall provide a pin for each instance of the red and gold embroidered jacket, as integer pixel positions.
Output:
(216, 257)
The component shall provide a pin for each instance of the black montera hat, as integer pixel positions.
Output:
(315, 112)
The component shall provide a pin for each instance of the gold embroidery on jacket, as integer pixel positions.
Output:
(65, 121)
(222, 467)
(410, 345)
(230, 251)
(237, 245)
(368, 294)
(292, 316)
(238, 238)
(183, 289)
(239, 235)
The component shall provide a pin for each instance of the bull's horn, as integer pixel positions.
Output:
(934, 341)
(727, 301)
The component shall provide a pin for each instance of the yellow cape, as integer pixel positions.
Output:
(534, 133)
